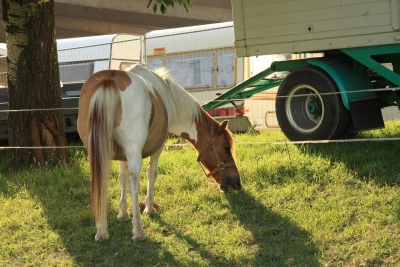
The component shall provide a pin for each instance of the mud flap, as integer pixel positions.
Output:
(366, 114)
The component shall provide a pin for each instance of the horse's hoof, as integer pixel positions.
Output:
(135, 238)
(123, 217)
(139, 236)
(149, 211)
(101, 236)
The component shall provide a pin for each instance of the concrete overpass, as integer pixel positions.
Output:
(75, 18)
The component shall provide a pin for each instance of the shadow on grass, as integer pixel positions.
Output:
(65, 197)
(278, 240)
(376, 161)
(369, 161)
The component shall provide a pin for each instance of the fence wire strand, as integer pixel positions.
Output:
(394, 89)
(237, 143)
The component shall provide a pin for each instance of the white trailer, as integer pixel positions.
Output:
(265, 27)
(200, 58)
(338, 93)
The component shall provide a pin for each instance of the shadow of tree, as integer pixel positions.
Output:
(64, 202)
(275, 240)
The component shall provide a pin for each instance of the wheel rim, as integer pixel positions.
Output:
(305, 108)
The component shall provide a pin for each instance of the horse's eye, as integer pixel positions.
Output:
(227, 148)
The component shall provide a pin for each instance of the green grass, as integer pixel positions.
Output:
(301, 205)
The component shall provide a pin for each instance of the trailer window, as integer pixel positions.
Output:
(76, 72)
(155, 63)
(225, 70)
(191, 72)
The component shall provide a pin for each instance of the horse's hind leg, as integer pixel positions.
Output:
(134, 165)
(123, 182)
(152, 172)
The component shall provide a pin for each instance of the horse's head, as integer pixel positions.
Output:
(216, 155)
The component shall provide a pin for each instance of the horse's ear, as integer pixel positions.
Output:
(223, 126)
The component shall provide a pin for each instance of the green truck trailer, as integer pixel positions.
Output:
(332, 96)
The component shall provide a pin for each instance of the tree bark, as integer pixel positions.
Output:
(33, 82)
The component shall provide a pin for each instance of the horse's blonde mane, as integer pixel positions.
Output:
(163, 72)
(184, 101)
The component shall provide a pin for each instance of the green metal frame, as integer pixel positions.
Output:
(256, 84)
(348, 72)
(364, 56)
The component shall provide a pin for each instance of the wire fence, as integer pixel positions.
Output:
(202, 61)
(239, 143)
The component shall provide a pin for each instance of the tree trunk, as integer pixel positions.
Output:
(33, 82)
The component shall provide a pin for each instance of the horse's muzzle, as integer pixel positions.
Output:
(230, 181)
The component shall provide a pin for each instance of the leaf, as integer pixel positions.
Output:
(163, 9)
(165, 3)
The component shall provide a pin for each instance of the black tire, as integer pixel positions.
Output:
(303, 113)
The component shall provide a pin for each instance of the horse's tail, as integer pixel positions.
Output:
(101, 119)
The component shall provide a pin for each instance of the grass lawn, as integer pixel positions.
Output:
(328, 205)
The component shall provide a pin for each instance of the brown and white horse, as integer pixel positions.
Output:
(125, 116)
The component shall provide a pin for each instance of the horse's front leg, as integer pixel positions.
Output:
(123, 182)
(152, 173)
(134, 166)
